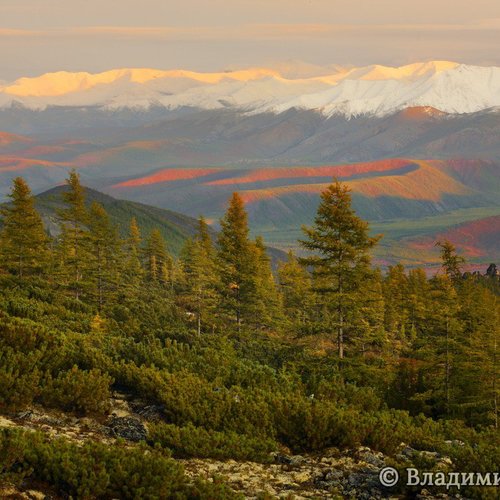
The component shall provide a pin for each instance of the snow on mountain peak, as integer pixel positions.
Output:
(446, 86)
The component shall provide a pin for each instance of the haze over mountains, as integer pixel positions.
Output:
(419, 145)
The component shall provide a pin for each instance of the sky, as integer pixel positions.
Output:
(296, 36)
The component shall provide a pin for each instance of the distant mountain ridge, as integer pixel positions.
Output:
(417, 144)
(176, 228)
(372, 90)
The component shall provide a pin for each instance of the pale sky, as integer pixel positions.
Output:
(38, 36)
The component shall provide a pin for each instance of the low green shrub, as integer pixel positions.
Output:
(79, 391)
(191, 441)
(19, 378)
(12, 467)
(214, 490)
(100, 471)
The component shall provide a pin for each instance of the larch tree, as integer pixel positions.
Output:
(160, 262)
(451, 262)
(438, 346)
(339, 246)
(74, 240)
(133, 266)
(200, 276)
(418, 301)
(297, 294)
(203, 237)
(372, 339)
(477, 360)
(105, 252)
(268, 302)
(23, 241)
(395, 289)
(236, 263)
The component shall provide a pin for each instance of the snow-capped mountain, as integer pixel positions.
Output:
(373, 90)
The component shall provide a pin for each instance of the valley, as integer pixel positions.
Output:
(417, 170)
(403, 198)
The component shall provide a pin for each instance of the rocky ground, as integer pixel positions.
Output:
(334, 474)
(351, 474)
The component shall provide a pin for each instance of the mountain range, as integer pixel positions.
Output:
(376, 90)
(419, 145)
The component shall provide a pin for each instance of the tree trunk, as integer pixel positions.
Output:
(99, 282)
(198, 329)
(20, 265)
(77, 267)
(340, 339)
(341, 335)
(238, 308)
(495, 396)
(447, 369)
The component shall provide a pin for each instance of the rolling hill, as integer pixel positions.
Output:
(175, 227)
(419, 145)
(477, 238)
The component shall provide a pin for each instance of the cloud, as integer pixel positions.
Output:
(247, 31)
(30, 52)
(15, 33)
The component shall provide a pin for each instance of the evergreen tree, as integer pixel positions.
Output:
(133, 266)
(203, 237)
(105, 253)
(396, 300)
(200, 284)
(477, 360)
(237, 263)
(160, 263)
(439, 344)
(418, 298)
(23, 242)
(74, 241)
(341, 265)
(372, 338)
(268, 303)
(451, 262)
(298, 296)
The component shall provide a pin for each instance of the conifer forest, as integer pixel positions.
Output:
(229, 353)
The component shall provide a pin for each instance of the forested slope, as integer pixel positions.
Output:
(224, 360)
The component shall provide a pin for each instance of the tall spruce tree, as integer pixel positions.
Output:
(268, 302)
(396, 298)
(418, 301)
(297, 294)
(105, 250)
(23, 241)
(203, 237)
(236, 263)
(372, 339)
(451, 262)
(340, 260)
(133, 251)
(438, 346)
(74, 240)
(159, 260)
(477, 360)
(199, 292)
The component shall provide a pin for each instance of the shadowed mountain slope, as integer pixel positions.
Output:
(175, 227)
